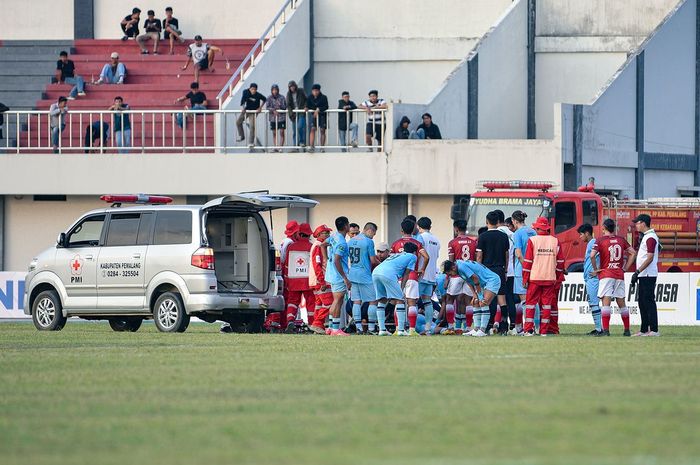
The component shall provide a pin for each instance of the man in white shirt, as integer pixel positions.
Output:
(202, 55)
(426, 284)
(646, 274)
(374, 117)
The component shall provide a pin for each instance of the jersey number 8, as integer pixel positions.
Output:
(354, 253)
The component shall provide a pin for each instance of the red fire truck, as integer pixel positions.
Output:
(675, 220)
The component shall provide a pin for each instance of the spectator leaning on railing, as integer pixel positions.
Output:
(374, 117)
(58, 111)
(318, 104)
(252, 103)
(130, 24)
(114, 72)
(171, 27)
(152, 28)
(65, 72)
(121, 123)
(296, 100)
(345, 122)
(277, 105)
(198, 101)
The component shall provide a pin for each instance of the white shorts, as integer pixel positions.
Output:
(458, 286)
(611, 287)
(411, 291)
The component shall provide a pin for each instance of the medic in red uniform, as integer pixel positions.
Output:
(295, 271)
(317, 280)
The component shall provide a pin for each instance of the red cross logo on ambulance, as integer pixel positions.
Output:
(76, 266)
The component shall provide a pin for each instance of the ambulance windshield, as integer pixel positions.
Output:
(480, 206)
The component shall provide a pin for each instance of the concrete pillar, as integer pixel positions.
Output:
(2, 232)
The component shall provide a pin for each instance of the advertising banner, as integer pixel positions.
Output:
(12, 294)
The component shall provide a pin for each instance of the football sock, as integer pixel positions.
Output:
(485, 317)
(595, 311)
(519, 315)
(335, 323)
(605, 316)
(412, 316)
(499, 315)
(372, 317)
(537, 317)
(357, 316)
(381, 316)
(450, 315)
(400, 317)
(625, 314)
(469, 316)
(459, 321)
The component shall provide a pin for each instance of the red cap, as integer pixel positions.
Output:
(304, 228)
(541, 223)
(291, 228)
(321, 229)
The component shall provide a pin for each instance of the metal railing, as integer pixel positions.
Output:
(249, 61)
(161, 131)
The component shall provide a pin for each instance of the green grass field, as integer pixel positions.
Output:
(87, 395)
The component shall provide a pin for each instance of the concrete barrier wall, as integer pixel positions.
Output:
(405, 49)
(45, 20)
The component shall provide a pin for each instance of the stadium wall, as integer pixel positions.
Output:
(46, 20)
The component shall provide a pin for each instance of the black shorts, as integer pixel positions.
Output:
(203, 63)
(274, 125)
(321, 121)
(501, 272)
(375, 130)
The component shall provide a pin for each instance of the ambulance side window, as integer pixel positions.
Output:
(87, 233)
(123, 229)
(590, 212)
(564, 216)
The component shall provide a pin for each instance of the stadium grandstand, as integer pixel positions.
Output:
(524, 89)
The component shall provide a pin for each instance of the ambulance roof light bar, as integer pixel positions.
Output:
(543, 186)
(142, 199)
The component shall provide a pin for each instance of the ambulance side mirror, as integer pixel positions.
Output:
(61, 241)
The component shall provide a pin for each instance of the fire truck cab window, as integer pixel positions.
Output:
(564, 216)
(590, 212)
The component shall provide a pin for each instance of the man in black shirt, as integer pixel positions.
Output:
(152, 28)
(65, 72)
(343, 127)
(171, 27)
(198, 101)
(427, 129)
(317, 103)
(130, 24)
(252, 103)
(402, 131)
(492, 251)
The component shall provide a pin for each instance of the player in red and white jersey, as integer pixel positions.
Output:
(612, 250)
(411, 290)
(462, 247)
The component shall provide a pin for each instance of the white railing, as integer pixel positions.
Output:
(158, 131)
(249, 61)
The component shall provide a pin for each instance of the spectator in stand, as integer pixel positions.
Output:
(65, 72)
(152, 28)
(121, 123)
(318, 104)
(277, 105)
(427, 129)
(202, 55)
(57, 111)
(130, 24)
(252, 103)
(171, 28)
(402, 131)
(344, 118)
(296, 100)
(375, 118)
(198, 101)
(96, 134)
(112, 73)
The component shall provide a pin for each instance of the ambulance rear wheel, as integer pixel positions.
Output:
(127, 324)
(47, 312)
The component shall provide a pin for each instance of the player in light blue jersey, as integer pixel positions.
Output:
(585, 232)
(337, 271)
(485, 281)
(362, 259)
(386, 283)
(521, 236)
